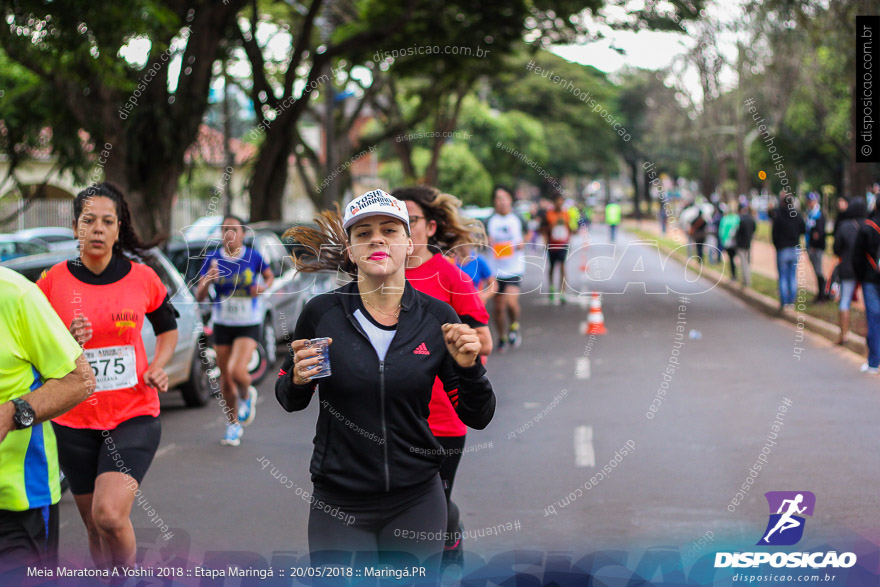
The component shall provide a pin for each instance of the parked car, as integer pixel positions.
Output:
(56, 237)
(203, 228)
(190, 369)
(13, 246)
(279, 227)
(284, 299)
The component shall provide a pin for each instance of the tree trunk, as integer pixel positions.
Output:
(639, 187)
(857, 177)
(269, 176)
(707, 180)
(151, 204)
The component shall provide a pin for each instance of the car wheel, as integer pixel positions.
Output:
(197, 390)
(270, 343)
(258, 365)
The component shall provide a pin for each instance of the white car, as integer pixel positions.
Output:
(55, 237)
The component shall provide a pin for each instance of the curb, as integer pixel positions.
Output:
(770, 306)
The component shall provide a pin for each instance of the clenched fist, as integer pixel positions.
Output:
(463, 343)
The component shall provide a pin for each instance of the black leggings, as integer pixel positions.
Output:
(731, 252)
(405, 522)
(453, 445)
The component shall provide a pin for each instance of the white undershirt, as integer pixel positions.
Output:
(379, 337)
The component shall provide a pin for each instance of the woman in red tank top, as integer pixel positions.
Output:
(438, 230)
(106, 444)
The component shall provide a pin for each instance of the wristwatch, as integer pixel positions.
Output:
(24, 414)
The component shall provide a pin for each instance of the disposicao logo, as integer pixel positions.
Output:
(786, 528)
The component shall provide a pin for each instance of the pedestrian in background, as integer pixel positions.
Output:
(727, 236)
(788, 226)
(846, 230)
(712, 235)
(661, 217)
(743, 239)
(815, 224)
(698, 231)
(865, 261)
(612, 219)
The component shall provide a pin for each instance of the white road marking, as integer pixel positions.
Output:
(530, 405)
(167, 449)
(584, 454)
(582, 369)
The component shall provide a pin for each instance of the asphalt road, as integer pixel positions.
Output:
(567, 405)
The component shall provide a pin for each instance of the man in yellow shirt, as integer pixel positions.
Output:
(43, 373)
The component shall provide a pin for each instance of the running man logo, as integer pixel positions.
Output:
(786, 526)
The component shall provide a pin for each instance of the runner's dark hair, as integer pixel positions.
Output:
(128, 241)
(236, 218)
(453, 229)
(499, 186)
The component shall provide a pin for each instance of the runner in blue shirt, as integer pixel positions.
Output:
(235, 271)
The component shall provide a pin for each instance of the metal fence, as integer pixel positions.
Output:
(39, 213)
(57, 212)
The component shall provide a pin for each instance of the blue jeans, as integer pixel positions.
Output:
(786, 265)
(871, 293)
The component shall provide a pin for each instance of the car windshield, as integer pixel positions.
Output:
(203, 228)
(13, 249)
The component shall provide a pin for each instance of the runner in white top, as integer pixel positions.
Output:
(505, 232)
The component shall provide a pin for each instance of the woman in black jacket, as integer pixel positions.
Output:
(375, 465)
(846, 228)
(865, 263)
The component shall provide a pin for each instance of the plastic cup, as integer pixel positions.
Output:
(323, 345)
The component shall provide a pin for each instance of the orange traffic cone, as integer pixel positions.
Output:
(595, 319)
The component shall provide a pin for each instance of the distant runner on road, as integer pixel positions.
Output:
(235, 270)
(557, 231)
(506, 237)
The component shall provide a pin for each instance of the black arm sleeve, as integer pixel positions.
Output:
(471, 321)
(837, 247)
(469, 391)
(294, 397)
(164, 318)
(859, 249)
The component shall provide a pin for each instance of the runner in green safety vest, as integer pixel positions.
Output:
(612, 219)
(574, 218)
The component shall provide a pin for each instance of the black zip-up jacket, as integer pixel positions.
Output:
(846, 231)
(865, 250)
(372, 434)
(745, 231)
(787, 229)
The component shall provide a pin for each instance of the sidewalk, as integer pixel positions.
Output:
(763, 259)
(820, 318)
